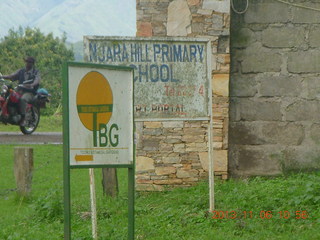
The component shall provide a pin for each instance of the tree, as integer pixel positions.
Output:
(50, 53)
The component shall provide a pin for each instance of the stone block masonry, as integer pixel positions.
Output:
(274, 88)
(176, 153)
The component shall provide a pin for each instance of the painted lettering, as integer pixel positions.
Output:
(166, 57)
(109, 54)
(103, 138)
(156, 51)
(144, 53)
(154, 73)
(147, 53)
(134, 52)
(114, 138)
(183, 90)
(168, 108)
(116, 52)
(177, 53)
(143, 71)
(125, 55)
(102, 56)
(193, 53)
(200, 49)
(185, 54)
(164, 73)
(93, 52)
(108, 138)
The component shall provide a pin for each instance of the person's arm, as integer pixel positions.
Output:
(11, 77)
(36, 80)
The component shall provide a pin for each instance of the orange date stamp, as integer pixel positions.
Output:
(263, 214)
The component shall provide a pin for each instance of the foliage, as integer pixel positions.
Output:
(52, 123)
(177, 214)
(49, 206)
(50, 53)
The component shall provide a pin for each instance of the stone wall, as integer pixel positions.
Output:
(274, 88)
(176, 153)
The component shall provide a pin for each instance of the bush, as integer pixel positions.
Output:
(50, 54)
(49, 207)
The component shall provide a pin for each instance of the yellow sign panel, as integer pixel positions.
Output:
(94, 100)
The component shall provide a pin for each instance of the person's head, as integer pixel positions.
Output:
(29, 62)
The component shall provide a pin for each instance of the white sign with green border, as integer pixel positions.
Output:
(98, 126)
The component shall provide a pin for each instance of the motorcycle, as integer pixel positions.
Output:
(9, 106)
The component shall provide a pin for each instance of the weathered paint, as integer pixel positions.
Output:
(100, 115)
(171, 74)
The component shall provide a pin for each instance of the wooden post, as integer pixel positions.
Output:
(110, 182)
(23, 169)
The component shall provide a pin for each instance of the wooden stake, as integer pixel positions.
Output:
(23, 169)
(110, 182)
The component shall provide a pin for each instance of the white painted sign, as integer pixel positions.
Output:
(100, 103)
(172, 75)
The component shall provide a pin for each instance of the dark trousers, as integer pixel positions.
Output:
(24, 100)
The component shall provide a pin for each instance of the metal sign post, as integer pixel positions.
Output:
(93, 204)
(98, 115)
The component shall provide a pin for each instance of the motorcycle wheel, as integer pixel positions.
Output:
(32, 120)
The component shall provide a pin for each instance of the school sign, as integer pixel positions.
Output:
(171, 75)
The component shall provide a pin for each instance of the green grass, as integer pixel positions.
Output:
(47, 124)
(178, 214)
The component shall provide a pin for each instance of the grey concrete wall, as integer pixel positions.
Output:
(274, 88)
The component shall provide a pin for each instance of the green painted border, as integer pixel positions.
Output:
(131, 177)
(66, 170)
(102, 166)
(66, 145)
(131, 200)
(97, 65)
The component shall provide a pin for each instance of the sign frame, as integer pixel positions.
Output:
(66, 150)
(187, 40)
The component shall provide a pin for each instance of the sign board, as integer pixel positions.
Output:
(100, 115)
(97, 126)
(172, 75)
